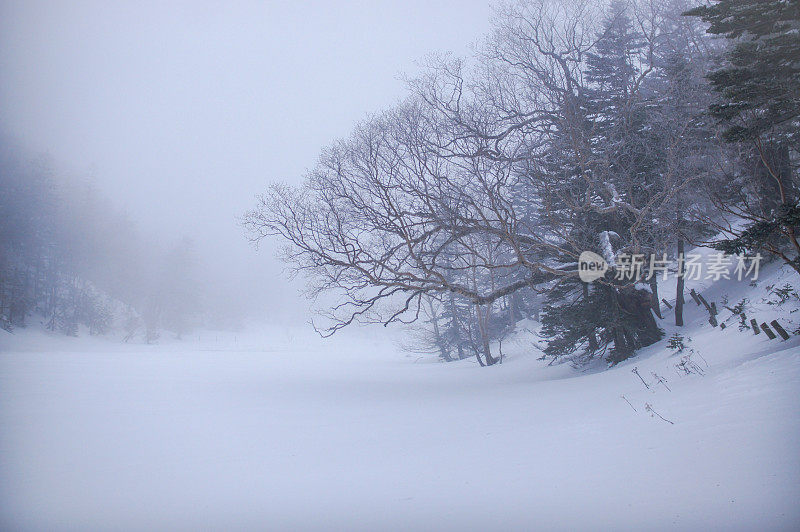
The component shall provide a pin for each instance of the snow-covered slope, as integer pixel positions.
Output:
(284, 430)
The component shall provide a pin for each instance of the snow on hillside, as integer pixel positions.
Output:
(284, 430)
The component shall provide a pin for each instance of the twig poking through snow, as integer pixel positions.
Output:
(635, 370)
(649, 408)
(660, 379)
(626, 400)
(688, 366)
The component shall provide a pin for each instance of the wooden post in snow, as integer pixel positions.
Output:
(754, 324)
(712, 311)
(694, 296)
(768, 331)
(781, 330)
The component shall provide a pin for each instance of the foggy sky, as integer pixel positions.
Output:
(182, 111)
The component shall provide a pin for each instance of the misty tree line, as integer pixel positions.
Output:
(69, 260)
(634, 128)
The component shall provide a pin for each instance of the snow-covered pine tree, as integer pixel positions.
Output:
(759, 106)
(603, 185)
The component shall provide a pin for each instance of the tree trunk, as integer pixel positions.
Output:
(484, 332)
(591, 336)
(772, 174)
(443, 351)
(512, 312)
(455, 328)
(679, 301)
(656, 303)
(621, 348)
(636, 325)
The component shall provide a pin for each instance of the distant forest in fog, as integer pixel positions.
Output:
(72, 260)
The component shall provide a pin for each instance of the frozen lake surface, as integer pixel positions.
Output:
(284, 430)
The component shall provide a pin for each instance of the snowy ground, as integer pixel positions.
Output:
(286, 431)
